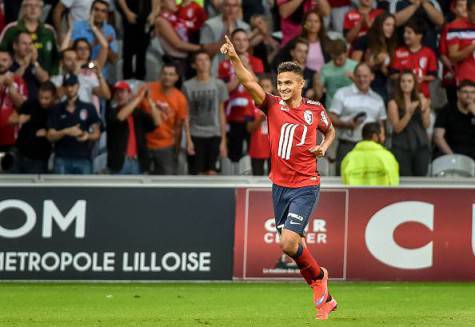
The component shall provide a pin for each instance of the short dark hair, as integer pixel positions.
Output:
(169, 64)
(289, 66)
(16, 40)
(199, 52)
(238, 30)
(417, 25)
(299, 40)
(370, 129)
(104, 2)
(465, 83)
(47, 86)
(337, 47)
(67, 50)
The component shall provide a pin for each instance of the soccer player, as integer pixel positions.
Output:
(293, 124)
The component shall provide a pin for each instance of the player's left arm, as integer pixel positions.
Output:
(329, 134)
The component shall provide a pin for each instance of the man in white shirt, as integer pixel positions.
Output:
(352, 107)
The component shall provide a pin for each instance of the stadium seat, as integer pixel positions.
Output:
(453, 165)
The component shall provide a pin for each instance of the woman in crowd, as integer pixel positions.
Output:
(409, 115)
(377, 49)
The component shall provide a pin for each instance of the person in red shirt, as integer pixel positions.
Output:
(459, 9)
(358, 21)
(13, 92)
(461, 45)
(195, 16)
(294, 123)
(416, 57)
(240, 101)
(259, 147)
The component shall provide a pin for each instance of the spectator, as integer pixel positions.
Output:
(459, 10)
(164, 142)
(13, 90)
(73, 125)
(359, 20)
(25, 64)
(292, 14)
(335, 74)
(91, 31)
(409, 115)
(369, 163)
(252, 8)
(298, 54)
(136, 15)
(215, 28)
(240, 101)
(43, 35)
(84, 53)
(127, 126)
(33, 148)
(172, 32)
(339, 9)
(314, 32)
(195, 16)
(353, 106)
(264, 46)
(461, 43)
(75, 10)
(454, 130)
(206, 133)
(416, 57)
(426, 12)
(377, 48)
(91, 81)
(259, 147)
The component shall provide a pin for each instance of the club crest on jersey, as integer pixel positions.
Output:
(83, 114)
(308, 116)
(324, 118)
(283, 105)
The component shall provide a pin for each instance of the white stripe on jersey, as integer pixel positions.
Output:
(291, 141)
(281, 138)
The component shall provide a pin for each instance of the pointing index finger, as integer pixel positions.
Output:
(227, 39)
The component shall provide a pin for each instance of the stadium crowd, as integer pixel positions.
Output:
(139, 86)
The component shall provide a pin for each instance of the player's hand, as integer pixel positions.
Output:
(318, 151)
(228, 49)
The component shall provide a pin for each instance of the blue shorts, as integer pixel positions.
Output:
(293, 206)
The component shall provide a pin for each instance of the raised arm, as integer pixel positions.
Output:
(246, 77)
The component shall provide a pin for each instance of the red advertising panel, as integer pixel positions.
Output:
(411, 234)
(257, 254)
(365, 234)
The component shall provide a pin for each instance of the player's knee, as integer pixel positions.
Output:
(288, 247)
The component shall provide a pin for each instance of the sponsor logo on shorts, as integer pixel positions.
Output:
(294, 215)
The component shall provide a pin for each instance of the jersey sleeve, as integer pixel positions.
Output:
(268, 102)
(324, 122)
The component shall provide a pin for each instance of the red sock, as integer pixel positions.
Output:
(309, 268)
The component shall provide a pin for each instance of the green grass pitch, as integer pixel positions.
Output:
(235, 304)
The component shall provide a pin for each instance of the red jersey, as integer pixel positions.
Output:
(462, 33)
(240, 103)
(353, 17)
(194, 15)
(422, 63)
(259, 147)
(292, 133)
(8, 133)
(180, 26)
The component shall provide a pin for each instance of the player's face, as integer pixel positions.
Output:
(289, 85)
(363, 78)
(407, 83)
(299, 53)
(466, 95)
(388, 27)
(46, 99)
(241, 42)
